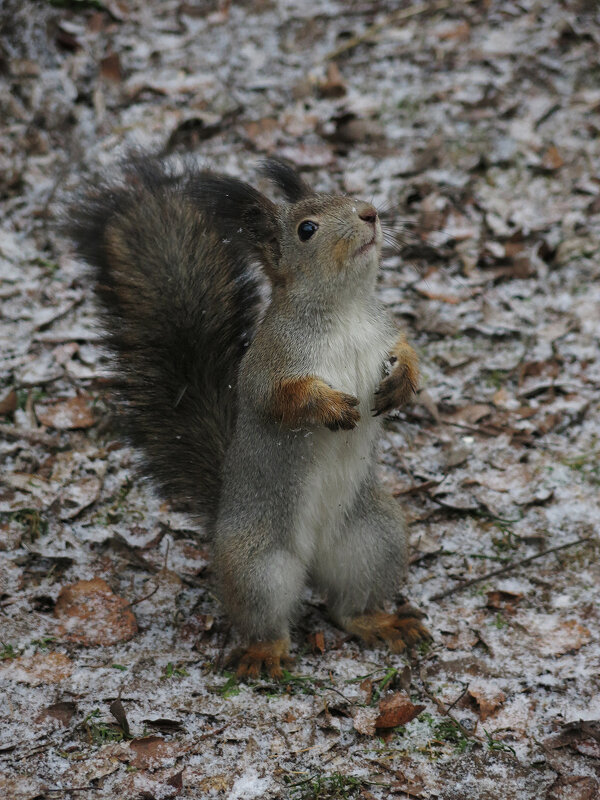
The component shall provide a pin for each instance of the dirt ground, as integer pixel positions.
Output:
(476, 127)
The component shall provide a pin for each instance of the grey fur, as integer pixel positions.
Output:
(173, 259)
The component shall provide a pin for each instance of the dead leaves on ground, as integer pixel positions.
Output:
(393, 710)
(89, 613)
(38, 669)
(487, 700)
(66, 415)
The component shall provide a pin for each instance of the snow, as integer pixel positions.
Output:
(505, 318)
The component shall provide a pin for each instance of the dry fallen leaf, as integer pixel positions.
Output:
(317, 642)
(22, 787)
(334, 85)
(110, 68)
(469, 415)
(557, 637)
(8, 402)
(151, 750)
(38, 669)
(364, 721)
(574, 787)
(63, 712)
(91, 614)
(396, 709)
(552, 159)
(500, 599)
(66, 415)
(79, 495)
(487, 699)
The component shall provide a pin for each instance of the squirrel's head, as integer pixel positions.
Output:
(312, 240)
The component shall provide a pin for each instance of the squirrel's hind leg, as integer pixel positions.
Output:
(398, 631)
(261, 588)
(362, 566)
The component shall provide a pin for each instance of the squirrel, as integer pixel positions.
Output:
(264, 421)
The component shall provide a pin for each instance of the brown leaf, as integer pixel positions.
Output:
(500, 599)
(195, 626)
(164, 725)
(78, 495)
(460, 31)
(194, 559)
(334, 85)
(487, 700)
(556, 637)
(552, 159)
(66, 415)
(8, 402)
(317, 642)
(263, 133)
(367, 686)
(91, 614)
(464, 639)
(396, 709)
(22, 787)
(39, 668)
(469, 415)
(63, 712)
(577, 733)
(444, 298)
(176, 780)
(110, 68)
(309, 155)
(589, 748)
(364, 721)
(118, 712)
(151, 750)
(574, 787)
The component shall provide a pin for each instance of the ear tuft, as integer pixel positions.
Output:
(287, 179)
(239, 211)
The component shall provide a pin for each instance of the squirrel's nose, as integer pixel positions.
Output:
(368, 214)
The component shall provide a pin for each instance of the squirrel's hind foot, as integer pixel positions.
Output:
(270, 656)
(399, 631)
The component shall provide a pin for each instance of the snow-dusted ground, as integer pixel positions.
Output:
(477, 125)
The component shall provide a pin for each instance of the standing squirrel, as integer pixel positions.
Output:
(266, 427)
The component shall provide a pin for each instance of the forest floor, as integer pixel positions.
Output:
(476, 125)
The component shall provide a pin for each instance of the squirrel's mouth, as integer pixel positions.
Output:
(365, 247)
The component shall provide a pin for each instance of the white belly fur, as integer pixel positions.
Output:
(350, 360)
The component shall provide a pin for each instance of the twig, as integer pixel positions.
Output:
(35, 437)
(508, 568)
(396, 16)
(145, 597)
(446, 711)
(458, 699)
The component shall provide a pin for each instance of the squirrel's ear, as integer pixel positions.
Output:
(240, 212)
(287, 179)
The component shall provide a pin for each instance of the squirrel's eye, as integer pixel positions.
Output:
(306, 230)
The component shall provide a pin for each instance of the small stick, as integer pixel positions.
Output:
(35, 437)
(446, 711)
(508, 568)
(397, 16)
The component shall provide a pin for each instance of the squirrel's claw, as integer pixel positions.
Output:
(270, 656)
(398, 631)
(344, 414)
(397, 389)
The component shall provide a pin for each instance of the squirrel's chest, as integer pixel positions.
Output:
(340, 461)
(350, 356)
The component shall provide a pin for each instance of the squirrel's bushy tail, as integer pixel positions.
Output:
(180, 305)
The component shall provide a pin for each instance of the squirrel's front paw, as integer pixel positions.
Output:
(401, 384)
(270, 656)
(341, 412)
(397, 389)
